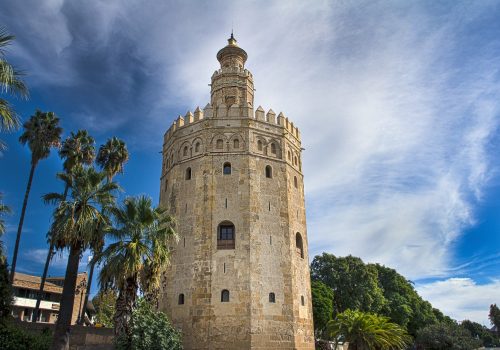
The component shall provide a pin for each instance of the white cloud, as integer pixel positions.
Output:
(395, 102)
(462, 298)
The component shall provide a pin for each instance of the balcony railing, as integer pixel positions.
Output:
(225, 244)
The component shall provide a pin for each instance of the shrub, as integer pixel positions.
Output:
(150, 330)
(13, 337)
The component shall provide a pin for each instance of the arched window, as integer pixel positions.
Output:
(273, 148)
(181, 299)
(272, 298)
(295, 182)
(219, 144)
(197, 147)
(299, 246)
(226, 170)
(236, 143)
(185, 152)
(259, 145)
(224, 296)
(295, 160)
(302, 300)
(225, 235)
(269, 171)
(188, 174)
(289, 155)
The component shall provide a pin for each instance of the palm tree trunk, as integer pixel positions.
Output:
(21, 220)
(125, 305)
(63, 326)
(42, 283)
(50, 254)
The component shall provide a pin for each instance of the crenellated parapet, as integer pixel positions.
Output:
(233, 112)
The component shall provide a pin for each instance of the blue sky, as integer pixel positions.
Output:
(397, 103)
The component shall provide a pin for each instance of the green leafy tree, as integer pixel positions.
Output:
(41, 133)
(150, 330)
(77, 150)
(367, 331)
(138, 257)
(75, 228)
(12, 84)
(355, 285)
(104, 303)
(322, 301)
(494, 317)
(6, 297)
(478, 331)
(446, 335)
(111, 158)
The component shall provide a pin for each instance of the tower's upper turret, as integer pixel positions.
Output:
(232, 55)
(232, 84)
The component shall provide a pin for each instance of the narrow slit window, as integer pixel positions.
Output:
(226, 170)
(299, 245)
(188, 174)
(272, 298)
(302, 300)
(181, 299)
(269, 172)
(259, 145)
(224, 296)
(295, 182)
(224, 267)
(226, 203)
(269, 206)
(184, 242)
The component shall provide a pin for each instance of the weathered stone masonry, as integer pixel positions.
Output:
(232, 172)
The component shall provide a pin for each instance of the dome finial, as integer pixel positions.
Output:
(232, 41)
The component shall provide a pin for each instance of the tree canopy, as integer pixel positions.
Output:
(322, 300)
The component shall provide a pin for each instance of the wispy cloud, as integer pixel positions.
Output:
(462, 298)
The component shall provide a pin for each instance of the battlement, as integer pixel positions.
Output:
(237, 70)
(232, 112)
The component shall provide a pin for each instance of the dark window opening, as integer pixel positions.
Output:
(259, 145)
(302, 300)
(295, 182)
(299, 246)
(224, 296)
(197, 147)
(226, 236)
(181, 299)
(272, 298)
(188, 174)
(185, 152)
(226, 170)
(269, 171)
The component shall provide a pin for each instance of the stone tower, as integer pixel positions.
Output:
(239, 276)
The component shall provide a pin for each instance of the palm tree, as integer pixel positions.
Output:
(138, 257)
(11, 83)
(77, 150)
(75, 227)
(366, 331)
(111, 158)
(3, 210)
(41, 133)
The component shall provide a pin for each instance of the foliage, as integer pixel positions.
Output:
(354, 284)
(76, 150)
(41, 133)
(10, 83)
(151, 330)
(141, 251)
(13, 337)
(104, 303)
(479, 331)
(374, 288)
(494, 317)
(446, 335)
(322, 300)
(367, 331)
(112, 156)
(5, 289)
